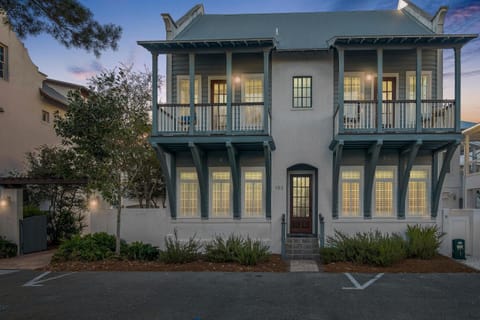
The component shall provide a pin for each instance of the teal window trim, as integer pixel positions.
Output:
(299, 99)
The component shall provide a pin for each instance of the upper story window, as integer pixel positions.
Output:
(3, 62)
(183, 89)
(188, 193)
(351, 191)
(352, 88)
(426, 85)
(418, 190)
(252, 90)
(302, 92)
(45, 116)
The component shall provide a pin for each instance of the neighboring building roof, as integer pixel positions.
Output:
(467, 124)
(302, 31)
(49, 92)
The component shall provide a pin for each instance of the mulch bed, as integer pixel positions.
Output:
(439, 264)
(274, 264)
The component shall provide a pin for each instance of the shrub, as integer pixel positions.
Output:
(372, 248)
(251, 252)
(423, 242)
(220, 250)
(91, 247)
(7, 249)
(142, 251)
(179, 252)
(31, 211)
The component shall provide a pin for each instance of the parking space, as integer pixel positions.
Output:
(149, 295)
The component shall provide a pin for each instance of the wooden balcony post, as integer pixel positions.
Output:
(191, 69)
(341, 73)
(154, 93)
(379, 89)
(418, 92)
(266, 88)
(458, 76)
(229, 91)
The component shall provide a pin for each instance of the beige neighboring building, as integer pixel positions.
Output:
(28, 103)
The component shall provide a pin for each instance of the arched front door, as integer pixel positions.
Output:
(302, 200)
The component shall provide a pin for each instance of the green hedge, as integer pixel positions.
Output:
(377, 249)
(8, 249)
(236, 249)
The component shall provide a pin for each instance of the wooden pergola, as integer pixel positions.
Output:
(20, 182)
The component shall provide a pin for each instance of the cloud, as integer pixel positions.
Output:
(471, 73)
(85, 72)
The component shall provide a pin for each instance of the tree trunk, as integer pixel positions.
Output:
(119, 214)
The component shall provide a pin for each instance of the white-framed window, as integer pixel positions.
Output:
(384, 191)
(253, 195)
(3, 62)
(411, 85)
(252, 88)
(45, 116)
(352, 91)
(220, 192)
(188, 193)
(351, 187)
(418, 192)
(183, 89)
(252, 91)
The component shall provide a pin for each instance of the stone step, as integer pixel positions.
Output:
(303, 256)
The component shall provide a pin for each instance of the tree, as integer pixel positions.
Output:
(68, 21)
(66, 203)
(109, 132)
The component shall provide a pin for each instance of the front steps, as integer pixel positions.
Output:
(302, 248)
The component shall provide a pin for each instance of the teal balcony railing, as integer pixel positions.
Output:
(397, 115)
(246, 118)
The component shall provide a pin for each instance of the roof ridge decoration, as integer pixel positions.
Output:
(434, 24)
(173, 28)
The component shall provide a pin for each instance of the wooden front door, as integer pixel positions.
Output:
(301, 203)
(218, 97)
(389, 95)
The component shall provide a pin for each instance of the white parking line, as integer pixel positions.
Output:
(37, 282)
(2, 272)
(358, 286)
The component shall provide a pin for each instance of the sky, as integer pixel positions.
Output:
(141, 20)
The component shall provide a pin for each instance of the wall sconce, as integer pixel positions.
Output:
(93, 202)
(369, 77)
(237, 79)
(5, 201)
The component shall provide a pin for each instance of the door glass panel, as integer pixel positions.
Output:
(219, 100)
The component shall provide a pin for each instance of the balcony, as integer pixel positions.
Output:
(398, 116)
(247, 118)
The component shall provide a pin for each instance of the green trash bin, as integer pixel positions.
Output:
(458, 249)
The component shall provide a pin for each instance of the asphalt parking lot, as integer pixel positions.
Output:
(205, 296)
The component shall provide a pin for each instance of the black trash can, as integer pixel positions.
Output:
(458, 249)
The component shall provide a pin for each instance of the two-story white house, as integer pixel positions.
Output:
(287, 126)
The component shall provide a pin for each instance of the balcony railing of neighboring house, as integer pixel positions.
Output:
(247, 118)
(397, 115)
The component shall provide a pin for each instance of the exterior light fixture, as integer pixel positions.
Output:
(93, 202)
(237, 79)
(4, 201)
(369, 77)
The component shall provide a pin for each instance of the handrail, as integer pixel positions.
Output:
(284, 236)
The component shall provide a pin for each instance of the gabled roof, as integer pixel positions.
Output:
(301, 31)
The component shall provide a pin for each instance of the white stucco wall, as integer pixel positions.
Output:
(301, 136)
(21, 125)
(153, 225)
